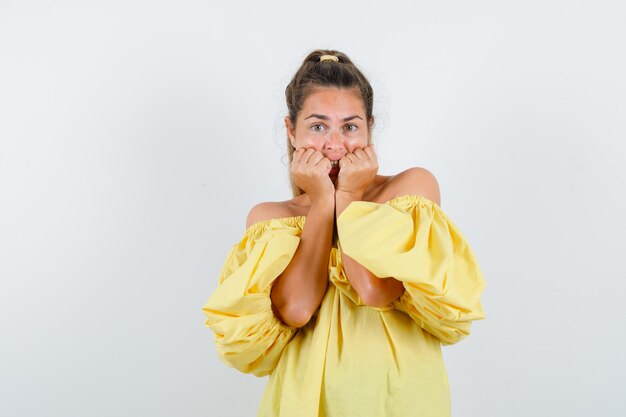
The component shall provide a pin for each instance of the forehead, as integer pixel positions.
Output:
(339, 102)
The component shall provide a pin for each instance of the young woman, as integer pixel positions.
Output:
(345, 293)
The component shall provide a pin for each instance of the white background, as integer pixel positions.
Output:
(135, 136)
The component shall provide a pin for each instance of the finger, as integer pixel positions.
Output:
(307, 155)
(353, 158)
(325, 163)
(344, 161)
(360, 153)
(370, 152)
(297, 155)
(316, 158)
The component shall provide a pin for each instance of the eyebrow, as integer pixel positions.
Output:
(321, 116)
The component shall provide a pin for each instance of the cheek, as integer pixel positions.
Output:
(304, 140)
(356, 142)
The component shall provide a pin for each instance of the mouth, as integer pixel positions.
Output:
(334, 164)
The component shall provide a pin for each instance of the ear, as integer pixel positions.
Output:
(369, 130)
(291, 131)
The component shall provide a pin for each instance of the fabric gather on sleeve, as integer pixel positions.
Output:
(248, 336)
(411, 239)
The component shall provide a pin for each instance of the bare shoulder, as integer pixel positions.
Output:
(269, 210)
(415, 180)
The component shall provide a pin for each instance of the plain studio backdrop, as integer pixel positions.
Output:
(135, 136)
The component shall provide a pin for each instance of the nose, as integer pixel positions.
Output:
(334, 141)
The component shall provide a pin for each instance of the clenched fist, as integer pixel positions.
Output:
(309, 170)
(357, 171)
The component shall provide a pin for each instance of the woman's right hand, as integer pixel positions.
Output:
(309, 170)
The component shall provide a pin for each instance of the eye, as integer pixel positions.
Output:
(315, 128)
(354, 127)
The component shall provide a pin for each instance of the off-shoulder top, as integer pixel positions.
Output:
(352, 359)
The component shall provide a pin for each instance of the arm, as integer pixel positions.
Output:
(414, 241)
(298, 291)
(248, 335)
(374, 291)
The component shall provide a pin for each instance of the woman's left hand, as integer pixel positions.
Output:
(357, 170)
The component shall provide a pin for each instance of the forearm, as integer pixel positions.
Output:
(297, 292)
(374, 291)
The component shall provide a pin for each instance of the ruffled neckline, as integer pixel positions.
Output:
(298, 221)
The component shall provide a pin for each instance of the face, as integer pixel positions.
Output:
(332, 121)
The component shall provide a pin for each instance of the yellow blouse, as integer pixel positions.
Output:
(352, 359)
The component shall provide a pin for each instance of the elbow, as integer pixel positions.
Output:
(382, 292)
(296, 320)
(292, 316)
(368, 296)
(373, 297)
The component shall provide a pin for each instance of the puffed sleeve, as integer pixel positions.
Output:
(248, 336)
(411, 239)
